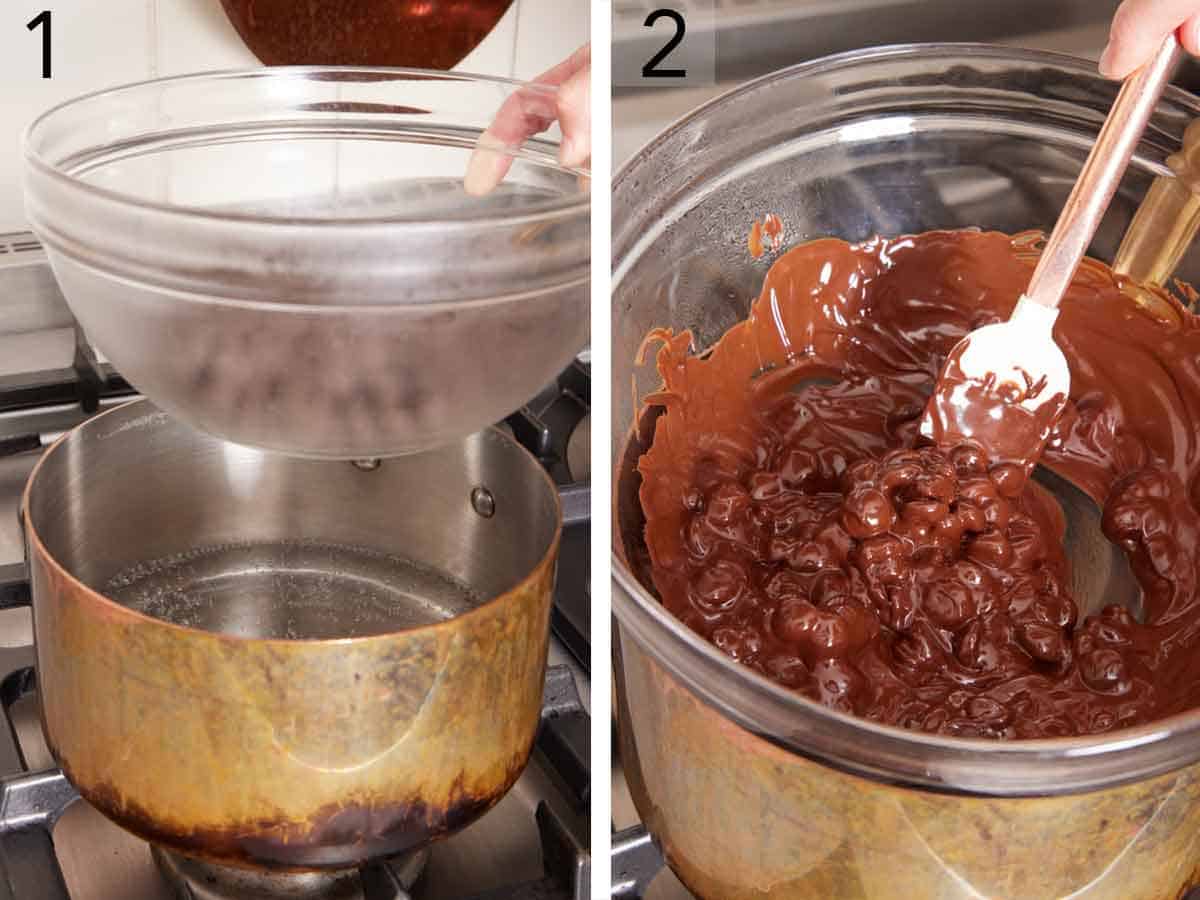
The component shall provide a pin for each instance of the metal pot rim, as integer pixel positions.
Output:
(116, 610)
(1045, 767)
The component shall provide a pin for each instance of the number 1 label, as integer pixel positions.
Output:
(42, 21)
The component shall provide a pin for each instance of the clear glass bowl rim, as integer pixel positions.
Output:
(568, 206)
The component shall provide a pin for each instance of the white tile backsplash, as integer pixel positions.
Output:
(496, 53)
(197, 36)
(96, 43)
(531, 37)
(100, 43)
(548, 31)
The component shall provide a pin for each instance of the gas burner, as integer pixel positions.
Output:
(193, 879)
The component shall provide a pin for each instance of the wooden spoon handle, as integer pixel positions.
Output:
(1098, 180)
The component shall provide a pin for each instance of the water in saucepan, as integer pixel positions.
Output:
(295, 590)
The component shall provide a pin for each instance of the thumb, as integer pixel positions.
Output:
(1138, 28)
(1189, 35)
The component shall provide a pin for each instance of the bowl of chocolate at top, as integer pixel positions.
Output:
(287, 258)
(848, 664)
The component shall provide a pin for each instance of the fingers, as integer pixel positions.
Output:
(525, 113)
(530, 111)
(575, 120)
(576, 62)
(1189, 35)
(1138, 29)
(489, 163)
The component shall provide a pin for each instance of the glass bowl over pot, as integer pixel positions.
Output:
(288, 259)
(751, 789)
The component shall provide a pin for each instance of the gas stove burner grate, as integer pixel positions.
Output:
(193, 879)
(545, 424)
(636, 861)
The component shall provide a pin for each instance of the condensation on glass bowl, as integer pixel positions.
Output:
(287, 258)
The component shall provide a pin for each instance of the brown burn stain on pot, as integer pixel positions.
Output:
(1188, 886)
(335, 836)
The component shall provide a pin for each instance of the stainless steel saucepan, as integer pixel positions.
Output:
(286, 663)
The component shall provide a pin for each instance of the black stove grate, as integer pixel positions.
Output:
(544, 426)
(636, 861)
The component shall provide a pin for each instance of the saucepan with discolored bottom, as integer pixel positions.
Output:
(285, 663)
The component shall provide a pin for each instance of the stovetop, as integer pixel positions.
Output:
(533, 845)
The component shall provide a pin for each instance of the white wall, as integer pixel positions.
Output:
(98, 43)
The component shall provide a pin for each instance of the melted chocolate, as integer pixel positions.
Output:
(765, 235)
(796, 518)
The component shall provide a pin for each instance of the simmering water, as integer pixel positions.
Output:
(298, 590)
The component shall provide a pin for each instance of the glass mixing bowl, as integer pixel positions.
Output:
(287, 258)
(753, 790)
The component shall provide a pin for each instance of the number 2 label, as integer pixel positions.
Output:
(650, 69)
